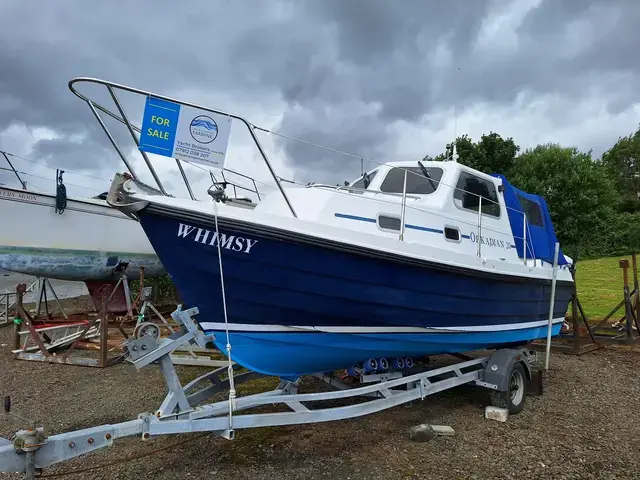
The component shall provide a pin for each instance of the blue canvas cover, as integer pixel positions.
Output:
(541, 236)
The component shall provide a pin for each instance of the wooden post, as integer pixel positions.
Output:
(577, 339)
(624, 264)
(636, 290)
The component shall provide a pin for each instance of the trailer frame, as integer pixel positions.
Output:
(182, 412)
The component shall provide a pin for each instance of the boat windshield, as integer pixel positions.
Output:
(417, 181)
(363, 182)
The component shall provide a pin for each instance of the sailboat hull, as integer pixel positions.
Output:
(296, 307)
(84, 243)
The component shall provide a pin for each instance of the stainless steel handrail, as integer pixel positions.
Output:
(110, 85)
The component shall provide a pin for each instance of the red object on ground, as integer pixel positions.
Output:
(100, 291)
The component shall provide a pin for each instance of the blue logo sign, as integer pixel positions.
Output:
(159, 126)
(203, 129)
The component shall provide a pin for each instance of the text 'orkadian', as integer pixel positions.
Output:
(230, 242)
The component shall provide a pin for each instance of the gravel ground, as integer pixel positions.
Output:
(582, 427)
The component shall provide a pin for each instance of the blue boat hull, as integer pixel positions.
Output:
(294, 354)
(295, 307)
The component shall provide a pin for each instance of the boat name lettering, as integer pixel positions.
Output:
(207, 237)
(489, 241)
(20, 195)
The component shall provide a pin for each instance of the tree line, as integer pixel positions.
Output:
(594, 202)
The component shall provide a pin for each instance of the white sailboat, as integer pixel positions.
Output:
(84, 241)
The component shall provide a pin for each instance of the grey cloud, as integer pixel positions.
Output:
(353, 129)
(393, 71)
(151, 48)
(345, 70)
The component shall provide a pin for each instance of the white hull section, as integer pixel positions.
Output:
(84, 243)
(250, 327)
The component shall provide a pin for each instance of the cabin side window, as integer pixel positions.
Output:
(468, 190)
(532, 210)
(417, 182)
(359, 185)
(387, 222)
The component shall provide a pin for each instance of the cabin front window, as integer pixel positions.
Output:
(417, 182)
(359, 185)
(470, 188)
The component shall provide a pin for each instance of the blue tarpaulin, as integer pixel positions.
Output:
(541, 236)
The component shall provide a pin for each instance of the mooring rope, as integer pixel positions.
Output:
(232, 390)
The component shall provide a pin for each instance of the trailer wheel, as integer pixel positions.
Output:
(513, 398)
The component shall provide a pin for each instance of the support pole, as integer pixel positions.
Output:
(577, 339)
(636, 295)
(30, 465)
(17, 323)
(479, 241)
(40, 292)
(524, 238)
(6, 310)
(404, 205)
(55, 296)
(551, 305)
(624, 264)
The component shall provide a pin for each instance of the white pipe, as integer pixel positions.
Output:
(524, 238)
(551, 305)
(404, 204)
(479, 226)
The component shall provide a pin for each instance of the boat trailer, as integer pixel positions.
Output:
(506, 373)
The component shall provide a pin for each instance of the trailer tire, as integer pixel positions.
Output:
(512, 399)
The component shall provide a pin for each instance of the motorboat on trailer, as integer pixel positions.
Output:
(360, 277)
(411, 259)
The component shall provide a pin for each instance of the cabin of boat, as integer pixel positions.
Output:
(442, 202)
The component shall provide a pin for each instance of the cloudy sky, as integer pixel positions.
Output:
(378, 78)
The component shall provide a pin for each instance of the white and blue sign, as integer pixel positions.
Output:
(185, 133)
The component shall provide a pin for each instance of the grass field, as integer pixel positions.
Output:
(600, 285)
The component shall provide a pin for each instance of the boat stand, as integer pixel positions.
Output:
(54, 343)
(182, 412)
(585, 335)
(43, 283)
